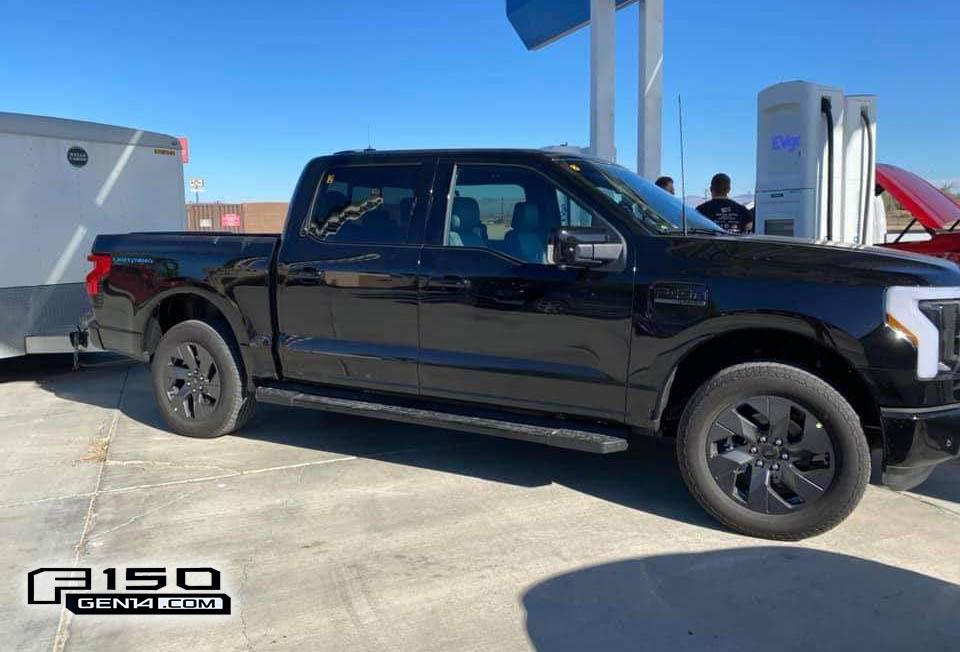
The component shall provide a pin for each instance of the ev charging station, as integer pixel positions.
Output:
(859, 221)
(816, 163)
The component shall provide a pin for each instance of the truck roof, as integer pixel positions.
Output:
(39, 125)
(558, 152)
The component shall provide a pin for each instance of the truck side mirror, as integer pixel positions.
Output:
(583, 246)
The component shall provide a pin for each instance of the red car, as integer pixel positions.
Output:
(937, 213)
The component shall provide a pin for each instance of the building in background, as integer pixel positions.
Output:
(250, 217)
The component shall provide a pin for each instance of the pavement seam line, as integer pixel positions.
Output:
(141, 515)
(270, 469)
(225, 476)
(63, 625)
(178, 465)
(173, 483)
(929, 503)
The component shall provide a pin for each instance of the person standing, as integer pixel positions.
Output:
(726, 213)
(666, 183)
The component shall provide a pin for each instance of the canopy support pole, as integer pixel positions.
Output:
(650, 96)
(602, 41)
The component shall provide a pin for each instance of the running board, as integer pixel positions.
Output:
(580, 440)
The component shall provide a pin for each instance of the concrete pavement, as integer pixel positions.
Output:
(339, 533)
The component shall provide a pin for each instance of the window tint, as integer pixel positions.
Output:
(491, 204)
(365, 204)
(572, 213)
(510, 209)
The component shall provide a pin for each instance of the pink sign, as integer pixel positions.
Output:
(229, 220)
(184, 150)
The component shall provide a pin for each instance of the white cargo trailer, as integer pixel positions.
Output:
(61, 183)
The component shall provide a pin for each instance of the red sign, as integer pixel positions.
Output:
(184, 150)
(229, 219)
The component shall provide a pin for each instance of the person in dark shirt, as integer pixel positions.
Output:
(726, 213)
(666, 183)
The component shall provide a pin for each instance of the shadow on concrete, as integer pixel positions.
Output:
(39, 367)
(644, 478)
(944, 483)
(765, 598)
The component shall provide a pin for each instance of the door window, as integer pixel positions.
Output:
(371, 203)
(509, 209)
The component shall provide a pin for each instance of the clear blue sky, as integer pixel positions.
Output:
(261, 87)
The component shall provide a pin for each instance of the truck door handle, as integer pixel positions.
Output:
(449, 283)
(302, 269)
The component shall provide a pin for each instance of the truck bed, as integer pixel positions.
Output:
(152, 274)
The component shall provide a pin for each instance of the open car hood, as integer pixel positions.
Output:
(923, 200)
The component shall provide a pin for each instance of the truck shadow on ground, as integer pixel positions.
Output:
(644, 478)
(944, 483)
(763, 598)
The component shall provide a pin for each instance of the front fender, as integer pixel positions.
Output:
(655, 361)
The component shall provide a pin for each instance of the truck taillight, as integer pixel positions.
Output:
(101, 267)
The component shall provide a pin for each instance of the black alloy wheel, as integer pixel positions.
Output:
(192, 381)
(771, 450)
(198, 380)
(771, 454)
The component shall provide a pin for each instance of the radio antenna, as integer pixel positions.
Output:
(683, 172)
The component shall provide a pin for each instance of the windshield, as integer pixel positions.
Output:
(646, 202)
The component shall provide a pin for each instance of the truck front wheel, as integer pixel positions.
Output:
(773, 451)
(197, 380)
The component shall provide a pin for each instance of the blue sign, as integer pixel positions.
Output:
(541, 22)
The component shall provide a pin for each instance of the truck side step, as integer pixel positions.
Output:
(580, 440)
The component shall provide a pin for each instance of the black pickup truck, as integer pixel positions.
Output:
(562, 300)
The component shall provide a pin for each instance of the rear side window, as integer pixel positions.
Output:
(371, 203)
(494, 203)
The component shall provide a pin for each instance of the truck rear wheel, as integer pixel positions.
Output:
(197, 381)
(773, 451)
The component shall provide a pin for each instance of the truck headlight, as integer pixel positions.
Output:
(929, 317)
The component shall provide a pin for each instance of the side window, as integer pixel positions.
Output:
(372, 203)
(573, 214)
(510, 209)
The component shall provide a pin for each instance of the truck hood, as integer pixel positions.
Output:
(932, 208)
(817, 261)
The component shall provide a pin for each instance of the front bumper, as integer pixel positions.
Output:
(917, 439)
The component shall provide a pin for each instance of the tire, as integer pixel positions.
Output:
(198, 380)
(780, 484)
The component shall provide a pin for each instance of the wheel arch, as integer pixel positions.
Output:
(183, 304)
(768, 344)
(179, 304)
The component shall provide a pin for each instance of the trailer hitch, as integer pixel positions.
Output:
(78, 340)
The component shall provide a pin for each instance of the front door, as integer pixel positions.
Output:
(347, 285)
(499, 324)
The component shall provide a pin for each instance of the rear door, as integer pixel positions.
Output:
(501, 325)
(347, 279)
